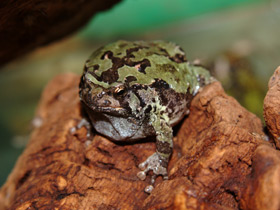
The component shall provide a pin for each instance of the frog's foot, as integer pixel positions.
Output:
(83, 123)
(155, 163)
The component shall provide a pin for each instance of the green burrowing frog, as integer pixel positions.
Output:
(132, 90)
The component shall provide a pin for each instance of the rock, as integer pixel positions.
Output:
(272, 107)
(263, 185)
(221, 160)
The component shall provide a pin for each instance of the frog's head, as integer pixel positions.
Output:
(112, 99)
(113, 110)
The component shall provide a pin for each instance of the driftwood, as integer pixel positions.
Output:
(25, 25)
(222, 159)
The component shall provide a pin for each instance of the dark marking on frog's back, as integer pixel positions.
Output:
(159, 83)
(95, 67)
(130, 79)
(178, 58)
(143, 65)
(132, 50)
(109, 76)
(107, 54)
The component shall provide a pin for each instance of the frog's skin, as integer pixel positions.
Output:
(132, 90)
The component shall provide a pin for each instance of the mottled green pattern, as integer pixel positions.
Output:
(181, 76)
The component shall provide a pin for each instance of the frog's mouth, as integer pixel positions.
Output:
(112, 123)
(115, 111)
(104, 103)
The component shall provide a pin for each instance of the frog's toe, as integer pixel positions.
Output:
(153, 178)
(155, 164)
(82, 123)
(142, 166)
(149, 189)
(141, 175)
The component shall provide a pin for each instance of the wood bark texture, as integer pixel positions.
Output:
(27, 24)
(221, 159)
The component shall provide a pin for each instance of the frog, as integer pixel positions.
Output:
(132, 90)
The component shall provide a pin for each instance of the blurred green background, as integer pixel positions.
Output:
(236, 39)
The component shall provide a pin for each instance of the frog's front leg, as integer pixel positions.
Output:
(158, 162)
(82, 123)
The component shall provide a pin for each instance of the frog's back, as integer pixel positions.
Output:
(143, 63)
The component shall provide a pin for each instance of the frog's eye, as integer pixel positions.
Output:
(119, 90)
